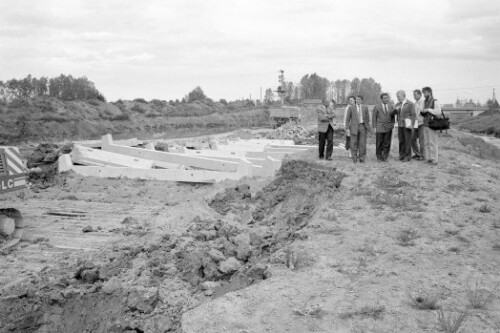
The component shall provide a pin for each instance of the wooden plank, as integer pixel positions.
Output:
(178, 158)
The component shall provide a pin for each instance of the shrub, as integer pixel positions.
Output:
(94, 102)
(54, 117)
(138, 108)
(123, 116)
(140, 100)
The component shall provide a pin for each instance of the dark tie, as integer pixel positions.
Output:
(385, 108)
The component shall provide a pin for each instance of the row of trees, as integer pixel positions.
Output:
(64, 87)
(314, 86)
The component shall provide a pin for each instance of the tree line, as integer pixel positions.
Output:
(64, 87)
(314, 86)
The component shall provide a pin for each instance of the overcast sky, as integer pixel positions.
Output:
(164, 48)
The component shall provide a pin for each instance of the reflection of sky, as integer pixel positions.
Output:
(163, 49)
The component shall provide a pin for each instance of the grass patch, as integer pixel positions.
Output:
(484, 209)
(478, 297)
(69, 197)
(372, 311)
(496, 247)
(406, 237)
(452, 232)
(450, 323)
(463, 239)
(401, 201)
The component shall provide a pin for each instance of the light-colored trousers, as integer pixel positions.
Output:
(431, 140)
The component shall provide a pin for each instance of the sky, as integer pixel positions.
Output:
(164, 48)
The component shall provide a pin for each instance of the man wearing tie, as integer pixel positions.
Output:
(406, 121)
(357, 122)
(383, 123)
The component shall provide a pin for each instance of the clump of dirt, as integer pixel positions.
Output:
(48, 153)
(224, 201)
(42, 162)
(145, 284)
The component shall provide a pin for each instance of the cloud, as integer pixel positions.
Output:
(175, 45)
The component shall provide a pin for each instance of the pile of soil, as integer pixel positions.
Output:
(145, 283)
(42, 164)
(290, 131)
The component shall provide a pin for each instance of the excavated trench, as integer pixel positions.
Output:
(147, 287)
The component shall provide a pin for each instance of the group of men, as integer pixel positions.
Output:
(412, 120)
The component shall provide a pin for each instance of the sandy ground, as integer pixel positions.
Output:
(423, 235)
(376, 254)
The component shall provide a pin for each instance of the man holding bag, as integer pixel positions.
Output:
(432, 109)
(405, 110)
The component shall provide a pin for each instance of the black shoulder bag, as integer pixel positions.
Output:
(439, 123)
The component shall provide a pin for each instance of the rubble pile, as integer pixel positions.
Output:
(42, 164)
(290, 131)
(48, 153)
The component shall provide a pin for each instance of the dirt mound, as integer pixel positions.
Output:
(290, 131)
(48, 153)
(43, 164)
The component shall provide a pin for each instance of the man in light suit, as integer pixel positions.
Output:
(325, 129)
(383, 123)
(405, 110)
(357, 122)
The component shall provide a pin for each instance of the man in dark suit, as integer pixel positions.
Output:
(383, 123)
(357, 122)
(405, 110)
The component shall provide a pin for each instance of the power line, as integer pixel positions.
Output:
(477, 87)
(456, 88)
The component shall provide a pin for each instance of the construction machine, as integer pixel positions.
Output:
(12, 178)
(284, 114)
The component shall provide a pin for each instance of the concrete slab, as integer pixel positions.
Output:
(197, 176)
(177, 158)
(95, 157)
(97, 143)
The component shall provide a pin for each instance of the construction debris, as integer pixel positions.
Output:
(232, 160)
(290, 131)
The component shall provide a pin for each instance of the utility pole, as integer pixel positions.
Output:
(282, 87)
